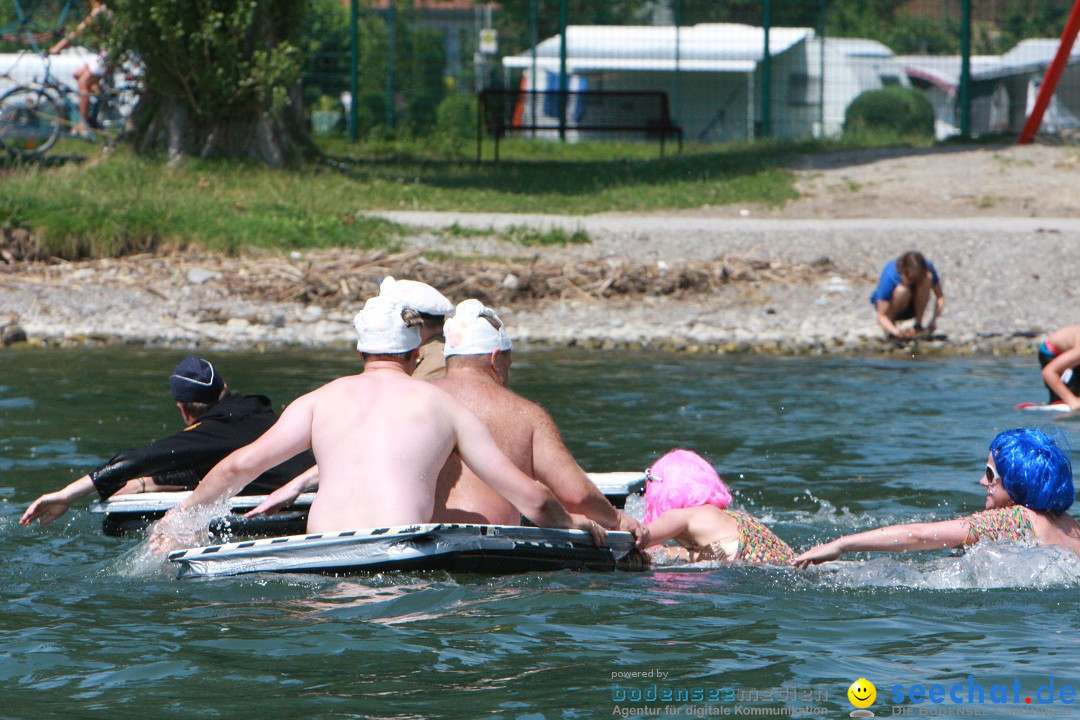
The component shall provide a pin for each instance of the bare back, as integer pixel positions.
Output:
(460, 495)
(1055, 529)
(1065, 338)
(380, 439)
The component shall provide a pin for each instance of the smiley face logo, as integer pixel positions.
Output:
(862, 693)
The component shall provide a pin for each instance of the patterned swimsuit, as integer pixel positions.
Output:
(758, 545)
(1008, 523)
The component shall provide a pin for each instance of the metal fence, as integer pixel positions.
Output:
(733, 70)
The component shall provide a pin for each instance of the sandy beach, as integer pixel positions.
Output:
(1000, 223)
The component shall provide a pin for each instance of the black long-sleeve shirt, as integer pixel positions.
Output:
(186, 457)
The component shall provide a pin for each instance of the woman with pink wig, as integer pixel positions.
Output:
(685, 499)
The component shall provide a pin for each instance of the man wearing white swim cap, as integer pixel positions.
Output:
(380, 439)
(433, 307)
(477, 371)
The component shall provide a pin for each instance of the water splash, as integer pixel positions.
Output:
(140, 561)
(983, 566)
(186, 527)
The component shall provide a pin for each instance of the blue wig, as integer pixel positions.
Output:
(1034, 470)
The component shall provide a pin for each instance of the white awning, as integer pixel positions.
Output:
(581, 66)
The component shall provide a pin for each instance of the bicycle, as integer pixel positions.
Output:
(34, 116)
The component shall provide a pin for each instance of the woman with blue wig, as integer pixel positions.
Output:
(1029, 486)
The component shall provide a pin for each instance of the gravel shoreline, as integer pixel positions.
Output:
(1005, 280)
(783, 281)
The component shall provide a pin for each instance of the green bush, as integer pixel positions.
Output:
(371, 112)
(456, 115)
(419, 118)
(902, 110)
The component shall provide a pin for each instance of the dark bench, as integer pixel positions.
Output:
(537, 113)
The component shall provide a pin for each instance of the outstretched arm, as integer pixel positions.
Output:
(287, 494)
(52, 505)
(291, 434)
(69, 40)
(894, 538)
(1051, 375)
(669, 525)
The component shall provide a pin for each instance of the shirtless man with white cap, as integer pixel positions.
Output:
(433, 307)
(478, 367)
(380, 439)
(478, 361)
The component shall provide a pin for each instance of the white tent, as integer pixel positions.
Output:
(1003, 88)
(712, 74)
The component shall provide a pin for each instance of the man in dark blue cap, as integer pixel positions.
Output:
(217, 423)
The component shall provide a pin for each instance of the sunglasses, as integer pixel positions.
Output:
(991, 474)
(649, 477)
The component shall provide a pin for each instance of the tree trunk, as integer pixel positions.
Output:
(165, 123)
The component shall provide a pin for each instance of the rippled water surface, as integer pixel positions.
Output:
(816, 447)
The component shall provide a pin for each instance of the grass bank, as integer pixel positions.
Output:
(106, 206)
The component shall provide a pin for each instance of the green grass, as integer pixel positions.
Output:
(114, 204)
(521, 234)
(122, 204)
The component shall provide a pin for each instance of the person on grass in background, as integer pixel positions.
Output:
(903, 293)
(380, 439)
(478, 357)
(685, 500)
(216, 423)
(89, 75)
(433, 308)
(1029, 487)
(1059, 357)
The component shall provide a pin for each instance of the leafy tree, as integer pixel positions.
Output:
(325, 39)
(221, 77)
(1031, 18)
(419, 64)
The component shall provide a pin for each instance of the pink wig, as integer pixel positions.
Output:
(683, 479)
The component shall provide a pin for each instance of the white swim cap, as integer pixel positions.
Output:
(381, 330)
(468, 331)
(419, 296)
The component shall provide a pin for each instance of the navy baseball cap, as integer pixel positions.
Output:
(195, 380)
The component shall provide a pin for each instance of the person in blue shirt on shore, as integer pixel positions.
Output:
(903, 293)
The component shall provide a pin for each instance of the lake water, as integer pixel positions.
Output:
(815, 446)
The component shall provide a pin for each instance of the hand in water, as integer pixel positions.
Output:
(176, 531)
(818, 554)
(48, 507)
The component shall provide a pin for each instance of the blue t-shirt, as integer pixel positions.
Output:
(890, 278)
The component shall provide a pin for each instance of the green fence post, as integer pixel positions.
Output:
(534, 38)
(354, 71)
(564, 81)
(678, 56)
(821, 70)
(766, 72)
(965, 69)
(391, 53)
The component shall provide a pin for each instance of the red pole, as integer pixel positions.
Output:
(1053, 74)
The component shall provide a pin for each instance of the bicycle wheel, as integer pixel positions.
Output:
(31, 120)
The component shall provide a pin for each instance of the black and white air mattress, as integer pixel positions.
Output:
(484, 549)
